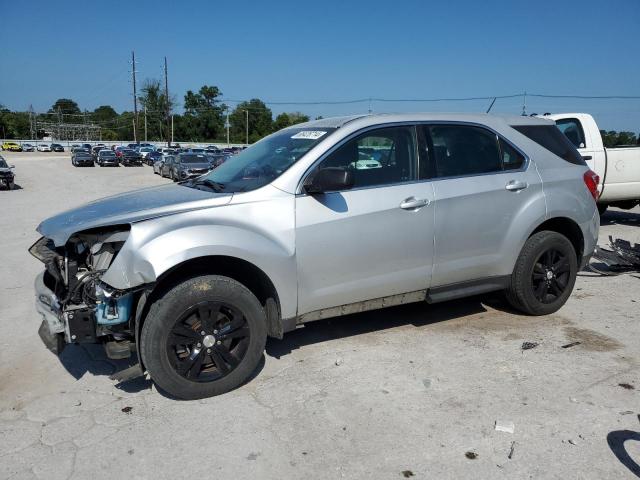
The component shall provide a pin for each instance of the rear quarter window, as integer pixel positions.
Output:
(549, 137)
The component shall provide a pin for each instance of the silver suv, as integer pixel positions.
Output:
(318, 220)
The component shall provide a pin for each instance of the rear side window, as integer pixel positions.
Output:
(459, 150)
(511, 158)
(549, 137)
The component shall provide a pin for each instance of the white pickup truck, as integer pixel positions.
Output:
(618, 168)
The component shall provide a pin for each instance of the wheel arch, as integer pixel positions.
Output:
(567, 227)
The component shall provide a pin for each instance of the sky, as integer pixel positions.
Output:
(300, 51)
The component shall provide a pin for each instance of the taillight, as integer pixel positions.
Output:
(591, 180)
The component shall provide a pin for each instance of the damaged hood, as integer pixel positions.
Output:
(128, 208)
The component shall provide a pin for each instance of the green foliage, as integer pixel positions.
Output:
(613, 139)
(203, 115)
(285, 120)
(260, 121)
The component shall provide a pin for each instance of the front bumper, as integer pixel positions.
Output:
(52, 331)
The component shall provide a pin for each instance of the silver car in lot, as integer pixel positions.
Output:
(318, 220)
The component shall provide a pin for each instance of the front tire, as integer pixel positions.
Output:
(203, 337)
(544, 275)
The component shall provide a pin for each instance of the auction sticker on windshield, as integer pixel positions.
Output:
(309, 134)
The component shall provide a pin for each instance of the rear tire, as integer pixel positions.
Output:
(189, 364)
(544, 274)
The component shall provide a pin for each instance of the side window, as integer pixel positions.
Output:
(572, 130)
(463, 150)
(511, 158)
(378, 157)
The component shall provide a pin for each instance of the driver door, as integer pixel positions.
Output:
(373, 240)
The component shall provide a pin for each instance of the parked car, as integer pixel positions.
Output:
(144, 151)
(618, 168)
(166, 167)
(56, 147)
(96, 149)
(81, 158)
(107, 157)
(75, 147)
(195, 276)
(167, 150)
(158, 164)
(7, 177)
(197, 150)
(188, 165)
(11, 146)
(152, 157)
(212, 149)
(43, 147)
(27, 147)
(130, 157)
(87, 146)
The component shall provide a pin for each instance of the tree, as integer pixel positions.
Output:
(68, 108)
(287, 119)
(104, 113)
(260, 121)
(612, 138)
(203, 114)
(157, 105)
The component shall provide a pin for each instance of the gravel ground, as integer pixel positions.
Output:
(412, 391)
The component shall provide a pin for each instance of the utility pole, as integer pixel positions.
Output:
(145, 124)
(135, 96)
(228, 125)
(59, 124)
(247, 127)
(31, 122)
(166, 100)
(524, 104)
(84, 120)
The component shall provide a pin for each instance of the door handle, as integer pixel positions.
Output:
(413, 203)
(587, 157)
(516, 185)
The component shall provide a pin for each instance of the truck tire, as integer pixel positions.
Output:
(544, 274)
(602, 208)
(203, 337)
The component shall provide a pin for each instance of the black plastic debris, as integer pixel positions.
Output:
(529, 345)
(513, 447)
(569, 345)
(619, 257)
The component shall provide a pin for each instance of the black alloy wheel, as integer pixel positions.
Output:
(550, 276)
(208, 341)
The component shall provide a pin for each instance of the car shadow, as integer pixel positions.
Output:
(616, 441)
(620, 217)
(419, 315)
(15, 187)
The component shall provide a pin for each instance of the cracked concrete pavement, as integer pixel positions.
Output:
(413, 390)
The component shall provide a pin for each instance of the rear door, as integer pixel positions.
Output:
(481, 183)
(374, 240)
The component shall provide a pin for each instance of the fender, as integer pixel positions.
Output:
(248, 229)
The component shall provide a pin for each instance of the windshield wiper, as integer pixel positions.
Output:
(215, 186)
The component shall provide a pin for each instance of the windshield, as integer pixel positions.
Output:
(107, 153)
(195, 158)
(266, 160)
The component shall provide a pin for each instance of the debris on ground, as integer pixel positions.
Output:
(626, 386)
(513, 447)
(507, 427)
(426, 382)
(619, 257)
(529, 345)
(127, 410)
(338, 362)
(407, 473)
(471, 455)
(571, 442)
(569, 345)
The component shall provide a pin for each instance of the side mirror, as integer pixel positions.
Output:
(12, 166)
(329, 179)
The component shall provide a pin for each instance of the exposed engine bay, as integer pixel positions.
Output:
(77, 307)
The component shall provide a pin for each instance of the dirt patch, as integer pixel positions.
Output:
(591, 340)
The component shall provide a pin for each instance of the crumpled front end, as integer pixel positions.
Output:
(74, 303)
